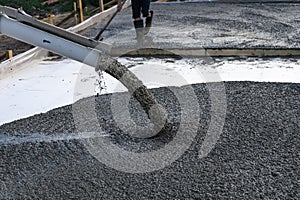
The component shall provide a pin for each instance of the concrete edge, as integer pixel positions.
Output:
(214, 52)
(36, 54)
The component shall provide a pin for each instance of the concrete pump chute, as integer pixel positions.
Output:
(21, 26)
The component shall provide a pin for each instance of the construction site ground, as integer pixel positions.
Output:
(235, 119)
(213, 25)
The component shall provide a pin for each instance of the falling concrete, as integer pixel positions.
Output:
(140, 92)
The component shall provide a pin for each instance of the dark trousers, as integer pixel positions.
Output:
(140, 6)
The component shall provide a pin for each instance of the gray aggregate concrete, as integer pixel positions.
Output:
(138, 89)
(212, 25)
(257, 155)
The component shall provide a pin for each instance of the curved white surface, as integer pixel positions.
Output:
(51, 84)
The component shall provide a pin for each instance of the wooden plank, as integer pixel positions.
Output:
(235, 52)
(51, 19)
(101, 5)
(139, 52)
(10, 54)
(81, 17)
(281, 52)
(157, 52)
(189, 52)
(75, 12)
(226, 52)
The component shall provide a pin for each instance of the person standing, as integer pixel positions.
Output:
(140, 10)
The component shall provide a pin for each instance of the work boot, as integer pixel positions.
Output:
(139, 28)
(148, 22)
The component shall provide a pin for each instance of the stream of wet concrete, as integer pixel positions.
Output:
(139, 91)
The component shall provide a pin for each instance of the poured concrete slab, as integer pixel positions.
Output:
(255, 156)
(212, 25)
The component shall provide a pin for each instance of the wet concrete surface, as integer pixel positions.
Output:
(212, 25)
(256, 156)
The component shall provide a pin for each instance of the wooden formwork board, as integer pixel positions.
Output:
(214, 52)
(235, 52)
(282, 52)
(156, 52)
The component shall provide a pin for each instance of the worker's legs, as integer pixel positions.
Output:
(136, 9)
(147, 14)
(139, 28)
(145, 5)
(137, 21)
(141, 7)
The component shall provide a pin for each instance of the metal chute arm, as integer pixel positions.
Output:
(17, 24)
(22, 17)
(51, 42)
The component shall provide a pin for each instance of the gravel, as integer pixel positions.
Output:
(256, 156)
